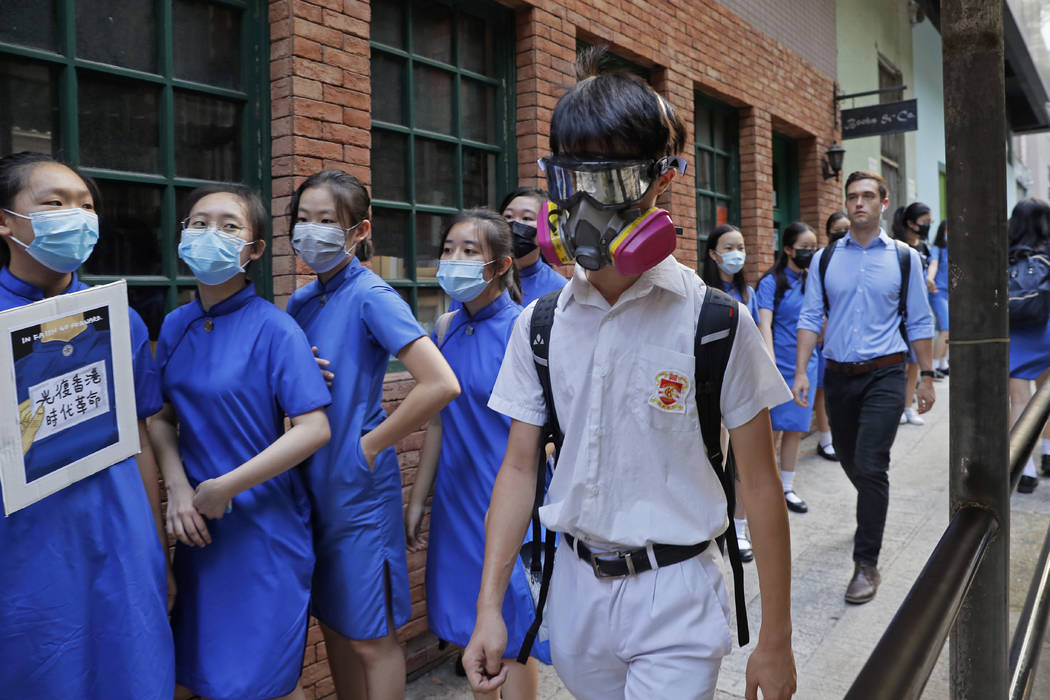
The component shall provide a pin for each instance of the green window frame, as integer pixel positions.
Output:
(432, 158)
(71, 56)
(717, 173)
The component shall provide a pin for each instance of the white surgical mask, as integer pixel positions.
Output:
(732, 262)
(321, 246)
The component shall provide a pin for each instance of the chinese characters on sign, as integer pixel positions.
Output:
(70, 399)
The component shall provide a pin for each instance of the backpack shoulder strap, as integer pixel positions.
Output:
(825, 259)
(712, 344)
(441, 326)
(904, 259)
(540, 338)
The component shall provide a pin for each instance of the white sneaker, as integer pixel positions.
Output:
(910, 416)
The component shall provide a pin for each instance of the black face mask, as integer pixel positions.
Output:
(802, 258)
(924, 231)
(524, 238)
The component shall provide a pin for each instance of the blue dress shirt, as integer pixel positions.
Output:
(864, 285)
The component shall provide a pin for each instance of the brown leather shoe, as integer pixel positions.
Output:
(864, 584)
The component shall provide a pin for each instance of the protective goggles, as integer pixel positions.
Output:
(609, 184)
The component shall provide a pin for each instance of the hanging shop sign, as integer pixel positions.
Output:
(876, 120)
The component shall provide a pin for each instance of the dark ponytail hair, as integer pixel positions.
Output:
(832, 220)
(613, 111)
(14, 177)
(903, 215)
(941, 239)
(351, 201)
(779, 269)
(710, 270)
(536, 193)
(498, 240)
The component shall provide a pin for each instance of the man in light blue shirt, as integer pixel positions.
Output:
(865, 348)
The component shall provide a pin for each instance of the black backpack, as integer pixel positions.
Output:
(715, 331)
(1028, 288)
(903, 259)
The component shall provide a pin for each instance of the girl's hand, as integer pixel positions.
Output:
(323, 363)
(211, 499)
(369, 454)
(931, 286)
(183, 521)
(413, 524)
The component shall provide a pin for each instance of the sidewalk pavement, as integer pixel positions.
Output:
(832, 639)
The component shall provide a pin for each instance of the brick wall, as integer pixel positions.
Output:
(320, 106)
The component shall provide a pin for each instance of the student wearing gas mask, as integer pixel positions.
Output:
(355, 322)
(632, 484)
(520, 208)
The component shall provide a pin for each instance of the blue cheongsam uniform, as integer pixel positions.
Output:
(357, 321)
(751, 302)
(473, 442)
(83, 593)
(788, 415)
(939, 299)
(537, 280)
(232, 374)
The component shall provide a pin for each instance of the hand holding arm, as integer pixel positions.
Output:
(182, 519)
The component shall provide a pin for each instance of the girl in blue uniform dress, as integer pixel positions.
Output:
(836, 226)
(937, 284)
(1029, 345)
(723, 268)
(82, 591)
(466, 443)
(233, 366)
(780, 293)
(356, 321)
(520, 208)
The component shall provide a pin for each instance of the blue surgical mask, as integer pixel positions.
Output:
(462, 279)
(62, 238)
(732, 262)
(213, 256)
(321, 246)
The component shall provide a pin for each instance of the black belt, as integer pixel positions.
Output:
(634, 561)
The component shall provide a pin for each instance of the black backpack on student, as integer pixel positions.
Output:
(903, 259)
(1028, 288)
(715, 331)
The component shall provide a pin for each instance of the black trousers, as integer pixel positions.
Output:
(864, 411)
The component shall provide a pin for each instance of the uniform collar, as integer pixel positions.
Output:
(531, 269)
(349, 270)
(494, 307)
(231, 304)
(30, 293)
(792, 275)
(666, 274)
(885, 240)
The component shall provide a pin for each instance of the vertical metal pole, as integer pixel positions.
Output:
(975, 134)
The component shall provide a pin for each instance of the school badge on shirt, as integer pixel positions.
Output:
(671, 388)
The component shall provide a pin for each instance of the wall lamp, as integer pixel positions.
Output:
(831, 163)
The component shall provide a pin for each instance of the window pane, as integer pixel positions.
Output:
(207, 41)
(118, 123)
(705, 217)
(151, 303)
(129, 240)
(432, 303)
(388, 19)
(435, 172)
(122, 32)
(428, 244)
(29, 112)
(703, 170)
(207, 137)
(476, 45)
(388, 235)
(479, 178)
(721, 127)
(432, 31)
(388, 89)
(432, 92)
(478, 110)
(389, 165)
(33, 23)
(702, 126)
(722, 174)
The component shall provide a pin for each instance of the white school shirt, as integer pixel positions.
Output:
(633, 468)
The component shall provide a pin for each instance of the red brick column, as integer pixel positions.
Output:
(756, 190)
(677, 88)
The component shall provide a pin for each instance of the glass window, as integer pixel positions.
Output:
(441, 145)
(148, 134)
(717, 174)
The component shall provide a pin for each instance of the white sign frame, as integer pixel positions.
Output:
(19, 492)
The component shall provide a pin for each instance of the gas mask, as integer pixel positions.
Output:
(593, 215)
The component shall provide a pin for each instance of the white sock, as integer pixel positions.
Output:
(1029, 468)
(1046, 446)
(939, 363)
(741, 527)
(825, 440)
(945, 358)
(787, 478)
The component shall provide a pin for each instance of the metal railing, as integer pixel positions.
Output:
(901, 663)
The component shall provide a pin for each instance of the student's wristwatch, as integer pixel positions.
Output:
(928, 373)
